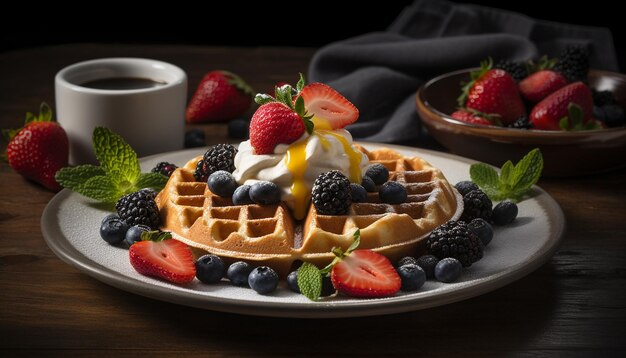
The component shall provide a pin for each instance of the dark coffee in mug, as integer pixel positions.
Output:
(122, 83)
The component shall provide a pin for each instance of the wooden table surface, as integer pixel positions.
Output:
(572, 306)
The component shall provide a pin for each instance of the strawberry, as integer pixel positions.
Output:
(39, 149)
(274, 123)
(548, 113)
(471, 117)
(324, 102)
(493, 91)
(365, 273)
(541, 84)
(220, 96)
(279, 119)
(168, 259)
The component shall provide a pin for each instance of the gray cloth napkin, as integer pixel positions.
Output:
(380, 72)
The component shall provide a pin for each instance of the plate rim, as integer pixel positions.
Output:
(63, 249)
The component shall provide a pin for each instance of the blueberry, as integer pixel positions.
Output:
(504, 213)
(614, 115)
(428, 263)
(448, 270)
(598, 113)
(265, 193)
(238, 273)
(465, 187)
(368, 184)
(238, 129)
(327, 286)
(482, 229)
(292, 281)
(406, 261)
(378, 172)
(133, 234)
(222, 183)
(241, 196)
(113, 230)
(263, 280)
(210, 269)
(110, 217)
(358, 193)
(392, 192)
(194, 138)
(412, 276)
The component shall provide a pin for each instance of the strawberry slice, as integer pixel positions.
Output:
(167, 259)
(365, 273)
(324, 102)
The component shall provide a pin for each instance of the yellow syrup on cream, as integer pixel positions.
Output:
(296, 163)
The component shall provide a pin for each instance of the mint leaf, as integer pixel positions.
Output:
(527, 171)
(115, 155)
(100, 188)
(513, 182)
(155, 181)
(73, 177)
(310, 281)
(486, 178)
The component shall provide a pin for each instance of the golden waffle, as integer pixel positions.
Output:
(268, 234)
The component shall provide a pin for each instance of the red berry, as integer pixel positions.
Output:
(493, 91)
(469, 117)
(541, 84)
(324, 102)
(272, 124)
(220, 96)
(39, 150)
(365, 273)
(548, 113)
(168, 259)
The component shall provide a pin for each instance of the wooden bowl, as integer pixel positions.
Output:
(564, 153)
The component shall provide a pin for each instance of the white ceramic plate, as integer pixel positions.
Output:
(70, 225)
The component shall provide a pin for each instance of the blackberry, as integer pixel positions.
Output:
(602, 98)
(200, 174)
(517, 70)
(138, 208)
(454, 239)
(522, 123)
(331, 193)
(164, 168)
(218, 157)
(476, 205)
(466, 186)
(573, 63)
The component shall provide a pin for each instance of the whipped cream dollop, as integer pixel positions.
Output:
(295, 167)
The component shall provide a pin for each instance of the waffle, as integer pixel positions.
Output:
(268, 234)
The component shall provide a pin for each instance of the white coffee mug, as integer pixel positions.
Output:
(142, 100)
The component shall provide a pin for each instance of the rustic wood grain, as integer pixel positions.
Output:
(572, 306)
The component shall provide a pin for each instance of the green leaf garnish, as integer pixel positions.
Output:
(513, 181)
(263, 98)
(574, 120)
(310, 281)
(118, 174)
(155, 235)
(310, 277)
(301, 83)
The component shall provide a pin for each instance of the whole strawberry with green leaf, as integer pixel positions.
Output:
(220, 96)
(39, 149)
(494, 92)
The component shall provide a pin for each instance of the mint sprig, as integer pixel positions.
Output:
(310, 277)
(119, 172)
(514, 180)
(284, 94)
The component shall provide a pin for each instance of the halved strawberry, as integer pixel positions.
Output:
(471, 117)
(365, 273)
(324, 102)
(167, 259)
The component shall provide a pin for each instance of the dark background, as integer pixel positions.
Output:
(294, 23)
